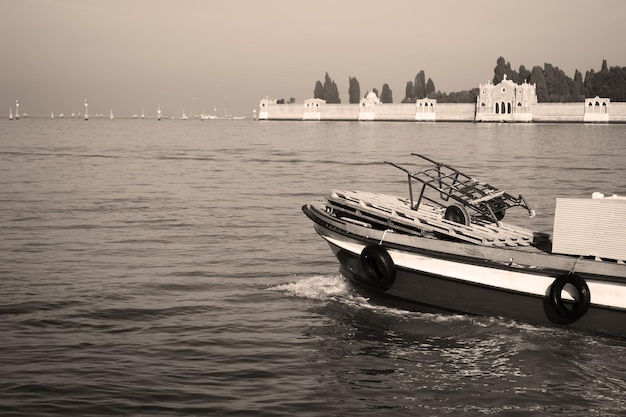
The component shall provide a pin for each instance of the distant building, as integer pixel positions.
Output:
(597, 109)
(506, 101)
(263, 113)
(425, 109)
(366, 106)
(312, 108)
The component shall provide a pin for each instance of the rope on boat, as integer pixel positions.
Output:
(383, 237)
(571, 271)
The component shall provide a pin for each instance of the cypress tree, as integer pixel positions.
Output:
(524, 74)
(386, 96)
(419, 86)
(354, 90)
(408, 93)
(576, 93)
(319, 90)
(429, 89)
(499, 71)
(536, 77)
(331, 92)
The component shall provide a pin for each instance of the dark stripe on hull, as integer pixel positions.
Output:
(431, 292)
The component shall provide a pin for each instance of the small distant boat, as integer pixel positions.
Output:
(142, 114)
(446, 249)
(61, 115)
(111, 117)
(52, 115)
(205, 116)
(10, 113)
(184, 116)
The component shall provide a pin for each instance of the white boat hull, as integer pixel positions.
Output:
(460, 277)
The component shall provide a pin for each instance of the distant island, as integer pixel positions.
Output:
(541, 95)
(553, 86)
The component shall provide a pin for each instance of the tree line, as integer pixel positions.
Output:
(553, 86)
(416, 89)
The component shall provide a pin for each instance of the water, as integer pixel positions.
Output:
(165, 268)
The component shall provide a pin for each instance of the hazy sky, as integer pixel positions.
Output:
(195, 54)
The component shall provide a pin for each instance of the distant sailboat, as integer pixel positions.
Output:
(142, 115)
(184, 116)
(159, 113)
(52, 115)
(10, 113)
(86, 110)
(111, 115)
(17, 110)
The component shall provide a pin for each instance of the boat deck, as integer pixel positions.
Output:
(391, 212)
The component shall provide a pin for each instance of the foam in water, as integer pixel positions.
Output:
(334, 288)
(317, 287)
(338, 289)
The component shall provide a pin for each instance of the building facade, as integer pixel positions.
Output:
(505, 102)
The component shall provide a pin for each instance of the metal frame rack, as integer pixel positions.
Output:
(484, 200)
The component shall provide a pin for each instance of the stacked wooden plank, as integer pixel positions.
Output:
(395, 213)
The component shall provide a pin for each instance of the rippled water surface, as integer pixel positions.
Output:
(165, 268)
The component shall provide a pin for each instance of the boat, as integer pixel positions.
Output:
(205, 116)
(10, 113)
(445, 248)
(111, 116)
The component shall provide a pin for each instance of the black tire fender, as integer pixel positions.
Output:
(378, 267)
(579, 307)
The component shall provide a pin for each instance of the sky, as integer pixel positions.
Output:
(200, 55)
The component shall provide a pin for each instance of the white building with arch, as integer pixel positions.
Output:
(425, 109)
(596, 110)
(366, 106)
(505, 102)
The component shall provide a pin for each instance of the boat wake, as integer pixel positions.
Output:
(335, 288)
(318, 287)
